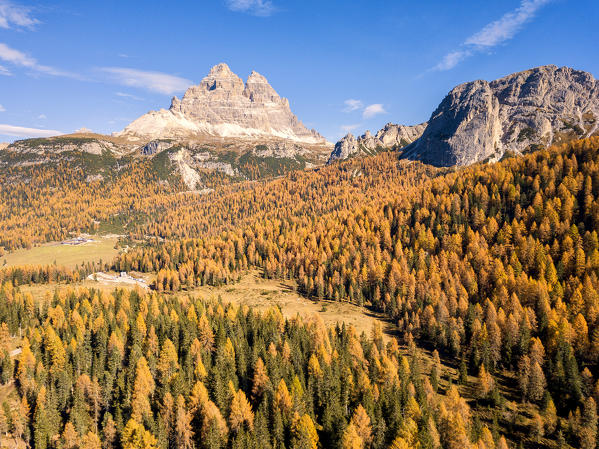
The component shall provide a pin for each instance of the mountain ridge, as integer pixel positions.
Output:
(391, 136)
(247, 131)
(221, 127)
(483, 120)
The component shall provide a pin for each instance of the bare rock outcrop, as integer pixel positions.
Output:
(155, 146)
(390, 137)
(481, 120)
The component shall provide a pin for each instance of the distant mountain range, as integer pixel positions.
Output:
(390, 137)
(221, 126)
(246, 130)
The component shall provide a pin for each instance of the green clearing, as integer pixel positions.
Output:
(102, 248)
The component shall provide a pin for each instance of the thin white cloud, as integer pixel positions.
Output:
(2, 108)
(4, 71)
(18, 58)
(20, 131)
(15, 56)
(372, 110)
(352, 105)
(15, 15)
(261, 8)
(507, 26)
(153, 81)
(349, 128)
(450, 60)
(126, 95)
(369, 111)
(42, 117)
(493, 34)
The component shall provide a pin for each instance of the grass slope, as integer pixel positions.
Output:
(63, 255)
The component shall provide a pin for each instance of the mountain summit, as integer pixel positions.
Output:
(482, 120)
(223, 106)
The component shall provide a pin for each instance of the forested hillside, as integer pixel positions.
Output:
(496, 266)
(131, 370)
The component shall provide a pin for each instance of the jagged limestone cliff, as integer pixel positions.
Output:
(222, 105)
(481, 120)
(390, 137)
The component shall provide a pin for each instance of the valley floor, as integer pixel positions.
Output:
(69, 253)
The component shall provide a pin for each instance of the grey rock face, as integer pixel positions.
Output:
(480, 120)
(396, 136)
(281, 149)
(155, 146)
(222, 105)
(391, 136)
(344, 149)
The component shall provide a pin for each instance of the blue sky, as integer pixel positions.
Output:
(344, 65)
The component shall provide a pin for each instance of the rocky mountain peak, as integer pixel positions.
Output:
(481, 120)
(219, 84)
(221, 68)
(257, 89)
(223, 105)
(344, 149)
(255, 77)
